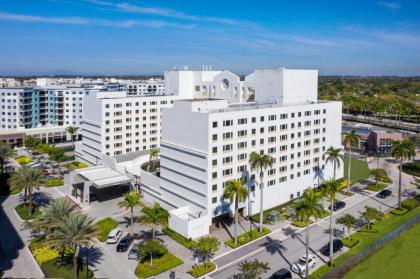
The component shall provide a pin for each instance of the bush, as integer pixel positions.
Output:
(247, 237)
(349, 243)
(410, 204)
(188, 243)
(54, 182)
(398, 211)
(385, 179)
(76, 165)
(105, 226)
(162, 264)
(412, 168)
(200, 270)
(23, 213)
(23, 160)
(300, 224)
(44, 254)
(280, 208)
(376, 187)
(365, 229)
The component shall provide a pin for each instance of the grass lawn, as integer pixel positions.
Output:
(245, 237)
(54, 182)
(52, 270)
(376, 187)
(359, 169)
(200, 270)
(105, 226)
(386, 225)
(162, 264)
(398, 259)
(22, 211)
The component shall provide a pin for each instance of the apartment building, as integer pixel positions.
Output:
(115, 124)
(16, 108)
(143, 87)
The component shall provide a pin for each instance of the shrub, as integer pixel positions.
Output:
(23, 160)
(365, 229)
(412, 168)
(410, 204)
(162, 264)
(399, 211)
(200, 270)
(376, 187)
(280, 208)
(188, 243)
(247, 237)
(44, 254)
(54, 182)
(105, 226)
(76, 165)
(300, 224)
(349, 243)
(385, 179)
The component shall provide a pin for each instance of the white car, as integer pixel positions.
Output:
(300, 265)
(114, 236)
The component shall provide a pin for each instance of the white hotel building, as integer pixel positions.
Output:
(216, 121)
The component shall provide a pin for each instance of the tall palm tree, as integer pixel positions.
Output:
(402, 150)
(131, 200)
(76, 230)
(27, 178)
(331, 188)
(261, 162)
(236, 192)
(334, 156)
(350, 139)
(72, 130)
(153, 155)
(5, 153)
(155, 215)
(308, 207)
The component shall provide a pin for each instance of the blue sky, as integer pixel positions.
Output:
(145, 37)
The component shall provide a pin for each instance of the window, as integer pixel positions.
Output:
(227, 123)
(214, 149)
(227, 135)
(242, 156)
(197, 88)
(215, 124)
(214, 175)
(283, 116)
(227, 160)
(272, 117)
(227, 172)
(213, 199)
(242, 133)
(214, 187)
(214, 137)
(227, 147)
(214, 162)
(272, 128)
(242, 121)
(242, 145)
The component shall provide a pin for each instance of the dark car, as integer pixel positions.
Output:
(124, 243)
(283, 273)
(337, 246)
(384, 194)
(337, 205)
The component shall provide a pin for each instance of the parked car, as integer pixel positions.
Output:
(300, 265)
(124, 243)
(337, 246)
(283, 273)
(133, 254)
(337, 205)
(384, 194)
(114, 236)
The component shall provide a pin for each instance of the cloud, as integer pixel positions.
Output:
(158, 11)
(92, 21)
(390, 5)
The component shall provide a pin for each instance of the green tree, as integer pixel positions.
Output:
(334, 156)
(155, 215)
(330, 189)
(349, 221)
(377, 174)
(56, 155)
(261, 162)
(350, 139)
(308, 207)
(402, 150)
(206, 247)
(153, 156)
(130, 201)
(75, 231)
(151, 249)
(72, 130)
(236, 192)
(32, 142)
(252, 269)
(5, 153)
(370, 214)
(27, 178)
(43, 148)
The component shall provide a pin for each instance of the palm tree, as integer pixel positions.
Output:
(206, 247)
(261, 162)
(76, 230)
(350, 139)
(402, 150)
(5, 153)
(72, 130)
(330, 189)
(236, 192)
(307, 207)
(131, 200)
(253, 269)
(334, 156)
(27, 178)
(153, 155)
(155, 215)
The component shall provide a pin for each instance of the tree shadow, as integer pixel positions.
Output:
(93, 255)
(39, 198)
(314, 252)
(277, 247)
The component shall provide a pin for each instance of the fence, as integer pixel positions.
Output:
(346, 266)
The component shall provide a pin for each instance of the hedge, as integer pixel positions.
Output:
(105, 226)
(188, 243)
(54, 182)
(349, 243)
(245, 237)
(412, 168)
(411, 203)
(162, 264)
(200, 270)
(399, 211)
(365, 229)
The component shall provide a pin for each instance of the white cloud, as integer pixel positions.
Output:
(390, 5)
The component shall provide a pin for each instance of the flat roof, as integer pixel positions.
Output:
(103, 176)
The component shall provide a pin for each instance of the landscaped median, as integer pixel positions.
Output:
(105, 226)
(247, 237)
(202, 269)
(364, 239)
(54, 182)
(23, 212)
(166, 262)
(376, 187)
